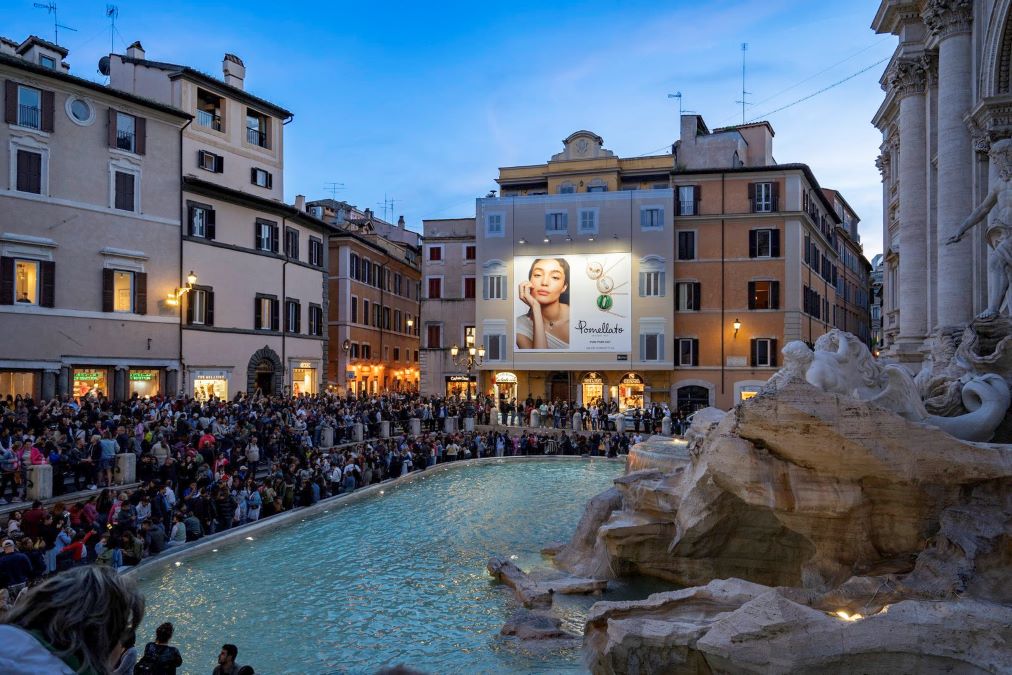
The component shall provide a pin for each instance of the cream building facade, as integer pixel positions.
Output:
(254, 319)
(89, 233)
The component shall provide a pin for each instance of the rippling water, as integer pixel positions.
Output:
(397, 579)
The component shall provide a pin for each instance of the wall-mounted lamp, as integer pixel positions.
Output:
(346, 345)
(522, 241)
(411, 323)
(175, 295)
(737, 326)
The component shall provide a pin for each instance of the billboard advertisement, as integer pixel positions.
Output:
(575, 303)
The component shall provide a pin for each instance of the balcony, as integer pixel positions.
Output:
(209, 119)
(256, 137)
(687, 207)
(29, 116)
(767, 205)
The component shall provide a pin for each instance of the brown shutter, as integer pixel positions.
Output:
(253, 176)
(773, 353)
(112, 127)
(23, 183)
(141, 129)
(775, 191)
(209, 225)
(696, 198)
(7, 281)
(775, 243)
(189, 219)
(753, 244)
(189, 308)
(270, 180)
(298, 317)
(275, 314)
(274, 237)
(697, 296)
(107, 290)
(208, 308)
(695, 352)
(48, 298)
(257, 315)
(141, 292)
(774, 295)
(751, 196)
(219, 164)
(751, 295)
(11, 102)
(48, 104)
(754, 348)
(34, 172)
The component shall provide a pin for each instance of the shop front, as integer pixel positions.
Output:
(305, 378)
(144, 382)
(505, 386)
(19, 383)
(592, 389)
(458, 385)
(206, 383)
(90, 382)
(630, 391)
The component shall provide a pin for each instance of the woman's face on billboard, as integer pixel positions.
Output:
(548, 280)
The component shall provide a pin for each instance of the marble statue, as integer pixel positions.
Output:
(999, 230)
(842, 364)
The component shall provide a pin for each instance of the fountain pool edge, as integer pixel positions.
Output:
(273, 522)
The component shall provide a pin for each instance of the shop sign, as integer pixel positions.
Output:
(209, 376)
(88, 376)
(305, 364)
(460, 378)
(349, 374)
(593, 378)
(621, 357)
(632, 378)
(505, 378)
(141, 377)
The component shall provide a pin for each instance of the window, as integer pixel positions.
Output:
(651, 218)
(354, 309)
(365, 312)
(470, 334)
(261, 178)
(434, 336)
(26, 282)
(556, 222)
(266, 236)
(377, 315)
(495, 347)
(469, 288)
(29, 171)
(265, 312)
(293, 316)
(764, 243)
(257, 128)
(470, 251)
(200, 307)
(494, 287)
(47, 62)
(201, 221)
(208, 161)
(566, 188)
(688, 197)
(316, 252)
(29, 107)
(366, 351)
(80, 111)
(688, 351)
(398, 284)
(764, 353)
(316, 320)
(292, 242)
(354, 350)
(686, 245)
(688, 296)
(126, 132)
(494, 225)
(386, 318)
(435, 254)
(122, 291)
(762, 197)
(812, 302)
(209, 108)
(651, 284)
(764, 295)
(397, 353)
(435, 288)
(597, 185)
(125, 191)
(588, 221)
(652, 347)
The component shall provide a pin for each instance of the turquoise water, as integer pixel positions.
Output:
(392, 579)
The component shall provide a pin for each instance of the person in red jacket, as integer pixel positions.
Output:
(32, 519)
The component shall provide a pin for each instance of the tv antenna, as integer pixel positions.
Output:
(678, 95)
(333, 188)
(112, 13)
(388, 204)
(50, 8)
(744, 94)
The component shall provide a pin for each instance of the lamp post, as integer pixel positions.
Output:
(469, 359)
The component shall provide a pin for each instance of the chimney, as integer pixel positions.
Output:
(368, 214)
(234, 70)
(135, 51)
(300, 202)
(400, 222)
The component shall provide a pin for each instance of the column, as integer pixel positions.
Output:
(119, 384)
(908, 79)
(949, 21)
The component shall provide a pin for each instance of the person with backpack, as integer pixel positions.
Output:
(160, 658)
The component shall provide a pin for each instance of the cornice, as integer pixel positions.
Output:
(990, 121)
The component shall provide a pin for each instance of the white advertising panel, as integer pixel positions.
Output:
(575, 303)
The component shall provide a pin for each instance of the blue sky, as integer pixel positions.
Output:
(422, 102)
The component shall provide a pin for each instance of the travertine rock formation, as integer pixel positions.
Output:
(855, 507)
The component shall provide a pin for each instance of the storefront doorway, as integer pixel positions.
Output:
(457, 385)
(558, 387)
(208, 383)
(90, 382)
(263, 373)
(630, 392)
(505, 386)
(143, 382)
(304, 380)
(592, 389)
(691, 398)
(17, 383)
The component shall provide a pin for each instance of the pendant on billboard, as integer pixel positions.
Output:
(604, 302)
(605, 285)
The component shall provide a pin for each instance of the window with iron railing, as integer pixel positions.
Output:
(764, 199)
(256, 128)
(209, 119)
(209, 108)
(29, 107)
(126, 137)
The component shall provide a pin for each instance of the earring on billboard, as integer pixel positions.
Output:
(595, 270)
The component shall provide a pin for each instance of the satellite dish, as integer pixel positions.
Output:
(103, 65)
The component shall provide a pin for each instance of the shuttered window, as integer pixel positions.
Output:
(493, 287)
(764, 295)
(688, 296)
(29, 171)
(764, 352)
(124, 197)
(495, 347)
(652, 347)
(688, 351)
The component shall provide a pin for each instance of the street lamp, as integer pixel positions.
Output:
(737, 326)
(176, 294)
(472, 358)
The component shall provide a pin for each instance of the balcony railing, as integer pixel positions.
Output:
(256, 137)
(209, 119)
(125, 140)
(768, 205)
(29, 116)
(686, 207)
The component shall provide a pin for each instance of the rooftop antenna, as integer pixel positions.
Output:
(50, 8)
(112, 13)
(333, 188)
(388, 204)
(744, 49)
